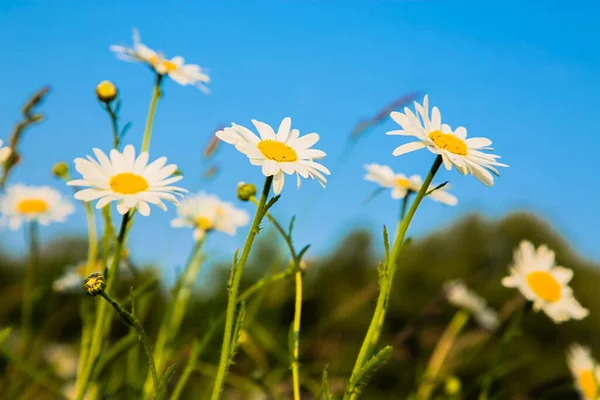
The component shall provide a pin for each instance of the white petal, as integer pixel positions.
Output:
(407, 148)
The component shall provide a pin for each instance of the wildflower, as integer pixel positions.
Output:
(284, 152)
(175, 68)
(106, 91)
(585, 371)
(535, 274)
(245, 191)
(130, 181)
(5, 152)
(453, 146)
(206, 213)
(63, 359)
(94, 284)
(459, 295)
(60, 169)
(401, 185)
(33, 203)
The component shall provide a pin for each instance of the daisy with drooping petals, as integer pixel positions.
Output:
(206, 213)
(459, 295)
(402, 185)
(127, 179)
(175, 68)
(535, 274)
(453, 146)
(41, 204)
(284, 152)
(4, 153)
(585, 371)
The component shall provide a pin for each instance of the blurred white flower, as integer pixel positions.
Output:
(401, 185)
(42, 204)
(454, 147)
(536, 275)
(130, 181)
(284, 152)
(585, 371)
(459, 295)
(63, 359)
(206, 213)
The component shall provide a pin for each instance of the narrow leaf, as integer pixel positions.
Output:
(304, 250)
(374, 194)
(291, 227)
(386, 244)
(324, 392)
(369, 369)
(441, 185)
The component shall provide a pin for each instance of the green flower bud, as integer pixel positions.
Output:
(245, 191)
(106, 91)
(60, 169)
(94, 284)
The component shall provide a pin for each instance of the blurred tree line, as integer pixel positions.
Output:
(339, 298)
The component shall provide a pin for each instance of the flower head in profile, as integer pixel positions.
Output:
(585, 370)
(284, 152)
(401, 185)
(536, 275)
(175, 68)
(206, 213)
(127, 179)
(459, 295)
(5, 152)
(467, 155)
(42, 204)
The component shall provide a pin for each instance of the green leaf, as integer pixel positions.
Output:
(304, 250)
(164, 382)
(368, 370)
(237, 328)
(375, 193)
(386, 244)
(441, 185)
(291, 226)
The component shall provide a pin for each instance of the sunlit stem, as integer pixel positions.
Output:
(440, 353)
(100, 325)
(156, 93)
(172, 320)
(296, 334)
(29, 285)
(374, 331)
(234, 283)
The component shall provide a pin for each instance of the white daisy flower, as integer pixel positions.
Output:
(43, 204)
(459, 295)
(5, 152)
(401, 185)
(284, 152)
(535, 274)
(63, 359)
(453, 146)
(127, 179)
(175, 68)
(206, 213)
(585, 371)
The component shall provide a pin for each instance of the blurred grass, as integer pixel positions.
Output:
(340, 293)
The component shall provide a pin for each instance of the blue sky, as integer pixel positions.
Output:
(528, 77)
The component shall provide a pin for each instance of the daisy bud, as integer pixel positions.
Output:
(106, 91)
(245, 191)
(60, 169)
(452, 386)
(94, 284)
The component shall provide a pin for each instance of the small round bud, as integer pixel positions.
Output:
(243, 338)
(94, 284)
(106, 91)
(452, 386)
(245, 191)
(60, 169)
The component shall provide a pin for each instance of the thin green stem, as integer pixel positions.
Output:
(440, 353)
(405, 205)
(28, 288)
(131, 321)
(387, 280)
(234, 283)
(100, 326)
(296, 335)
(176, 311)
(115, 351)
(156, 93)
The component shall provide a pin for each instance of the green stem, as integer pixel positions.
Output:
(511, 331)
(296, 335)
(387, 280)
(174, 316)
(156, 93)
(131, 321)
(26, 315)
(115, 351)
(405, 205)
(440, 353)
(236, 275)
(100, 326)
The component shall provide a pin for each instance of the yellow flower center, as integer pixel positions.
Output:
(32, 206)
(128, 183)
(168, 65)
(277, 151)
(544, 285)
(449, 142)
(588, 384)
(204, 223)
(403, 183)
